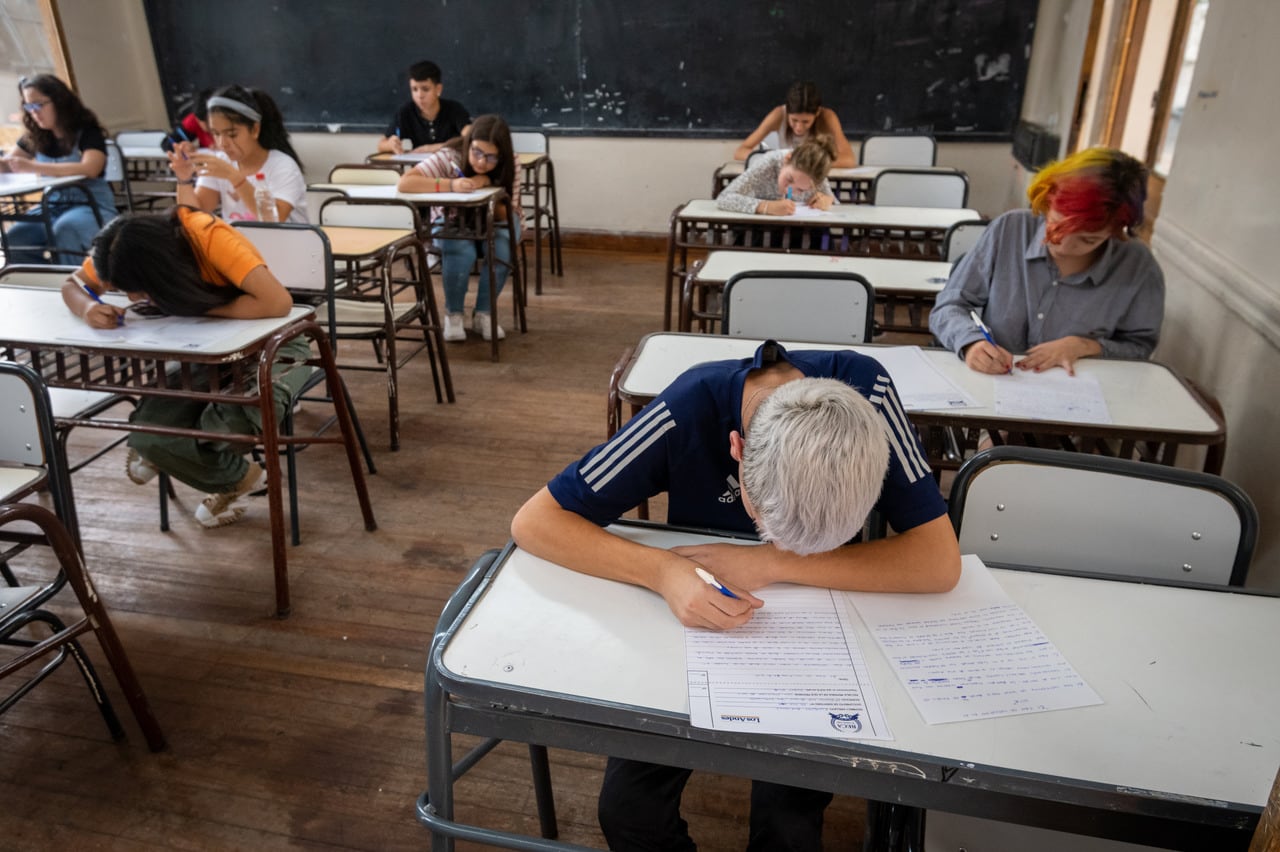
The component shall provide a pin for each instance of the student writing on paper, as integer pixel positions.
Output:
(776, 182)
(802, 115)
(249, 131)
(189, 263)
(63, 139)
(1063, 280)
(427, 121)
(797, 446)
(482, 157)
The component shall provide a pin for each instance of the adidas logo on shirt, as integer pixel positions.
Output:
(731, 494)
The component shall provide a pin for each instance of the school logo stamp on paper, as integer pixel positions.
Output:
(846, 723)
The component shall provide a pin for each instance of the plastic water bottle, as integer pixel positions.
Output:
(264, 200)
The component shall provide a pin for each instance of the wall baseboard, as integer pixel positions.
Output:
(639, 243)
(1237, 289)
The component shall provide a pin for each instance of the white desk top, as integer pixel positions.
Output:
(1141, 396)
(841, 215)
(21, 183)
(388, 192)
(1187, 709)
(413, 157)
(36, 316)
(884, 273)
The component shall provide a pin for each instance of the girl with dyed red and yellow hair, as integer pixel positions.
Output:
(1061, 281)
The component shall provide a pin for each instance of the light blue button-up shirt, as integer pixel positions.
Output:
(1013, 283)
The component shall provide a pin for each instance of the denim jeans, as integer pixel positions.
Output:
(73, 231)
(459, 256)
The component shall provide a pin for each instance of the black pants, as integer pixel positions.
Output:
(639, 811)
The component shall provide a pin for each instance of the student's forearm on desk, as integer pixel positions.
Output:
(920, 560)
(545, 529)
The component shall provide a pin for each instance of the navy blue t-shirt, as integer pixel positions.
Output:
(679, 443)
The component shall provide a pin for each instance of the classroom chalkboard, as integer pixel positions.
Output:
(953, 68)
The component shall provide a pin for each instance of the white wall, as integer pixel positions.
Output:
(1216, 240)
(111, 56)
(1053, 74)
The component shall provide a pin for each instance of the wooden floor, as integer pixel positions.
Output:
(308, 731)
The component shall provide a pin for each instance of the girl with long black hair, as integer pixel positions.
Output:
(249, 131)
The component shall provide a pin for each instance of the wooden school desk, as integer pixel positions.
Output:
(905, 282)
(1181, 754)
(851, 184)
(538, 180)
(473, 219)
(858, 229)
(36, 329)
(352, 245)
(1153, 409)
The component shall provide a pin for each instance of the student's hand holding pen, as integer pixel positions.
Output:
(184, 168)
(984, 357)
(698, 603)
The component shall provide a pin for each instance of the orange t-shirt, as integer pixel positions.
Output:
(225, 256)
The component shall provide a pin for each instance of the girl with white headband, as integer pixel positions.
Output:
(249, 131)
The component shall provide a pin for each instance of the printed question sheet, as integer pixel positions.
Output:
(795, 668)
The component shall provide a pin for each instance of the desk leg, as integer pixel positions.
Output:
(670, 272)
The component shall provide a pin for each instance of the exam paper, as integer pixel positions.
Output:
(795, 668)
(919, 384)
(971, 653)
(175, 333)
(806, 210)
(1051, 395)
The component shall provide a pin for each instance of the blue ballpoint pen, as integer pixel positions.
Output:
(706, 577)
(98, 299)
(986, 332)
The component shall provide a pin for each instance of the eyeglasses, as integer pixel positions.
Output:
(35, 106)
(479, 154)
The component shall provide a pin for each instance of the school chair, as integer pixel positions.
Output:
(22, 606)
(152, 169)
(299, 257)
(912, 188)
(819, 307)
(1090, 514)
(961, 237)
(31, 459)
(371, 305)
(117, 177)
(68, 403)
(370, 174)
(539, 204)
(913, 150)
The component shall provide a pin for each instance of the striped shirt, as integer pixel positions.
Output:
(679, 444)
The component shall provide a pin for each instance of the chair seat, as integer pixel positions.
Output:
(13, 598)
(357, 311)
(14, 480)
(69, 402)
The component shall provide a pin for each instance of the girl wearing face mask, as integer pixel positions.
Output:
(249, 132)
(482, 157)
(63, 139)
(800, 117)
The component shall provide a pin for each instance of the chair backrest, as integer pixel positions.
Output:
(820, 307)
(373, 174)
(961, 237)
(298, 255)
(1088, 514)
(907, 188)
(140, 138)
(899, 151)
(530, 142)
(28, 437)
(355, 213)
(115, 163)
(35, 275)
(772, 141)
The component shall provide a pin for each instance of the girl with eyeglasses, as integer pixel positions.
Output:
(249, 132)
(482, 157)
(63, 139)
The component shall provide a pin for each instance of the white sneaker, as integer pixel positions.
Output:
(455, 327)
(220, 510)
(139, 470)
(480, 325)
